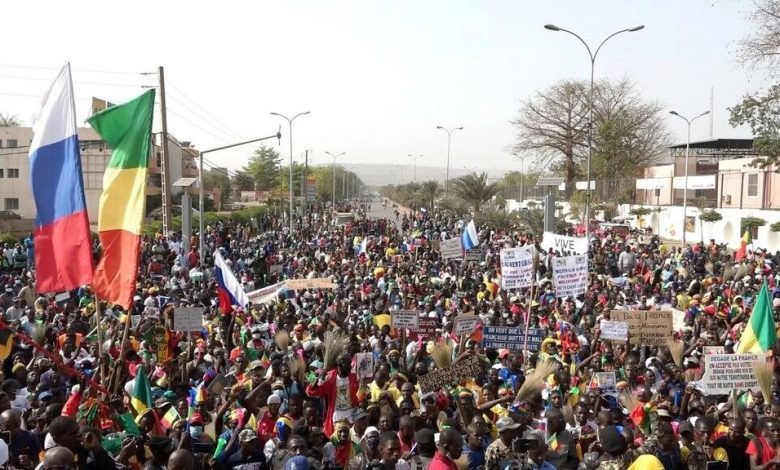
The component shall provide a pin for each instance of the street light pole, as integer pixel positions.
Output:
(201, 225)
(449, 141)
(592, 56)
(415, 165)
(687, 151)
(290, 122)
(333, 194)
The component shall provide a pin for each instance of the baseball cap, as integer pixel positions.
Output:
(506, 423)
(247, 435)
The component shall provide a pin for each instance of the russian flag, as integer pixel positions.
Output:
(229, 290)
(469, 238)
(63, 249)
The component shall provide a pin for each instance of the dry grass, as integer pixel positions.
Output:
(442, 354)
(335, 342)
(676, 349)
(764, 375)
(536, 380)
(282, 340)
(628, 400)
(298, 367)
(568, 414)
(39, 334)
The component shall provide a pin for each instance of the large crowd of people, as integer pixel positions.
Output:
(318, 378)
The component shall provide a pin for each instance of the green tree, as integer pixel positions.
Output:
(264, 168)
(243, 181)
(429, 192)
(9, 121)
(217, 179)
(475, 190)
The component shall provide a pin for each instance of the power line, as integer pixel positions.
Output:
(197, 105)
(41, 79)
(36, 67)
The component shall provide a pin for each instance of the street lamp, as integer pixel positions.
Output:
(333, 194)
(415, 165)
(592, 56)
(687, 149)
(290, 121)
(201, 229)
(449, 139)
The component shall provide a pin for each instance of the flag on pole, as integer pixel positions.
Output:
(142, 391)
(63, 250)
(169, 418)
(229, 291)
(470, 239)
(743, 244)
(760, 334)
(127, 128)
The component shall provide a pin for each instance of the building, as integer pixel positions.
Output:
(15, 191)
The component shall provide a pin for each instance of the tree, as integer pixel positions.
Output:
(429, 192)
(263, 168)
(217, 179)
(9, 121)
(554, 125)
(710, 216)
(243, 181)
(475, 190)
(762, 46)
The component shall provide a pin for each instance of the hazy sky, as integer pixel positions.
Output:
(377, 76)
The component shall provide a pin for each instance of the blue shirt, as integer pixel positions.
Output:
(476, 458)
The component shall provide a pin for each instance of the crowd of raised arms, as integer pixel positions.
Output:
(318, 378)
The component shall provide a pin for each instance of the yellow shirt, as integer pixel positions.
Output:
(395, 394)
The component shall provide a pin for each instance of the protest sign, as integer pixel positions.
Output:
(651, 328)
(564, 244)
(441, 378)
(726, 372)
(405, 319)
(364, 363)
(187, 319)
(570, 275)
(316, 283)
(275, 269)
(499, 337)
(707, 350)
(475, 254)
(425, 330)
(614, 330)
(607, 383)
(517, 267)
(678, 319)
(451, 248)
(266, 294)
(465, 324)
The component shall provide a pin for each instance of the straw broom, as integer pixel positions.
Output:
(442, 354)
(535, 381)
(335, 341)
(282, 340)
(628, 400)
(39, 334)
(298, 367)
(568, 414)
(676, 349)
(764, 375)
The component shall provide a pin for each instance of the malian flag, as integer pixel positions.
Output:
(229, 290)
(63, 250)
(743, 244)
(759, 334)
(127, 128)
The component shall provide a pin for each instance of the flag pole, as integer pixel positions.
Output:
(99, 339)
(123, 349)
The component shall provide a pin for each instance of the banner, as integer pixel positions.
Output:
(405, 319)
(564, 244)
(440, 379)
(517, 267)
(451, 248)
(316, 283)
(614, 330)
(726, 372)
(651, 328)
(570, 275)
(465, 324)
(265, 294)
(500, 337)
(187, 319)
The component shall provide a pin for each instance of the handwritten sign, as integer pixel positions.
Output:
(564, 244)
(570, 275)
(442, 378)
(425, 330)
(465, 324)
(517, 267)
(475, 254)
(316, 283)
(405, 319)
(614, 330)
(651, 328)
(726, 372)
(187, 319)
(499, 337)
(451, 248)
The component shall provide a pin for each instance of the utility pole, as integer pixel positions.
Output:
(166, 177)
(303, 183)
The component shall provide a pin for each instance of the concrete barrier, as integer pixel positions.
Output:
(17, 227)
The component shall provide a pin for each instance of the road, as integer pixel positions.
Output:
(379, 212)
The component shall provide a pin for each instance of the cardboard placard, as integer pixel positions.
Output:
(364, 362)
(651, 327)
(188, 319)
(405, 319)
(316, 283)
(451, 248)
(564, 244)
(502, 337)
(475, 254)
(517, 267)
(425, 330)
(441, 378)
(465, 324)
(570, 275)
(726, 372)
(614, 330)
(275, 269)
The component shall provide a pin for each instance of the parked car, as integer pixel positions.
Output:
(9, 215)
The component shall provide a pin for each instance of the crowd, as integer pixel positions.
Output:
(318, 378)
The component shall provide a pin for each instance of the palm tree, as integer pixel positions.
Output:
(9, 121)
(475, 190)
(430, 191)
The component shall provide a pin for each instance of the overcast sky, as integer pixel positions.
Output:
(377, 76)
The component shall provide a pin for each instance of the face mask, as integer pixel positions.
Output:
(196, 431)
(279, 393)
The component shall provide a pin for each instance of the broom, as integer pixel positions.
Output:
(628, 400)
(764, 375)
(568, 414)
(676, 349)
(282, 340)
(39, 334)
(442, 354)
(535, 381)
(335, 341)
(298, 367)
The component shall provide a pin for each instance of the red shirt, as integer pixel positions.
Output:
(767, 451)
(442, 462)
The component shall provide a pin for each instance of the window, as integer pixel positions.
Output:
(657, 192)
(2, 173)
(11, 143)
(13, 172)
(752, 185)
(11, 204)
